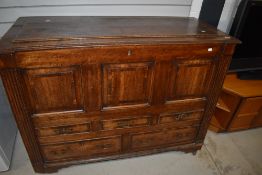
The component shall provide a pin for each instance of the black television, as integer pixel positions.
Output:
(247, 26)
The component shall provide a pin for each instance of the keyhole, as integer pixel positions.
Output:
(129, 53)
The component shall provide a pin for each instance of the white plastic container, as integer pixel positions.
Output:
(8, 131)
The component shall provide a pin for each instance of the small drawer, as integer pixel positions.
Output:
(85, 148)
(126, 123)
(155, 139)
(67, 129)
(178, 117)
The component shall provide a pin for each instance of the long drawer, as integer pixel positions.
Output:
(160, 138)
(53, 132)
(110, 145)
(86, 148)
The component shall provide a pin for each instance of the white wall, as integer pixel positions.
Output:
(10, 10)
(195, 8)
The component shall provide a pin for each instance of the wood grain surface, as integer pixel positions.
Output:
(87, 89)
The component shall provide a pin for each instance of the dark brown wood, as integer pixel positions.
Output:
(189, 79)
(118, 89)
(239, 105)
(60, 32)
(126, 122)
(147, 140)
(64, 129)
(52, 167)
(83, 148)
(178, 117)
(61, 86)
(86, 89)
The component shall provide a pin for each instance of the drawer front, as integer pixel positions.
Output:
(242, 121)
(126, 123)
(251, 105)
(155, 139)
(86, 148)
(257, 122)
(180, 117)
(68, 129)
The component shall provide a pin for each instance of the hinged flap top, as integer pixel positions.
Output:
(42, 32)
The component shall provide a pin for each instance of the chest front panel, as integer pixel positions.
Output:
(85, 89)
(141, 97)
(55, 89)
(126, 83)
(119, 81)
(190, 78)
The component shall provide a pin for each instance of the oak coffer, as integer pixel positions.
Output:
(85, 89)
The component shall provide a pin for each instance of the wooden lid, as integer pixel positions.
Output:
(243, 88)
(46, 32)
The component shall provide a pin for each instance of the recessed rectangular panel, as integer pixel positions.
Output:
(126, 84)
(190, 79)
(54, 89)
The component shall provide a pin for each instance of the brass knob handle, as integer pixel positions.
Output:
(64, 130)
(122, 124)
(129, 53)
(180, 116)
(104, 146)
(179, 136)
